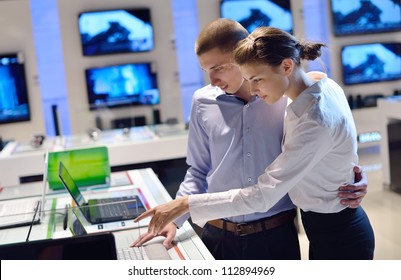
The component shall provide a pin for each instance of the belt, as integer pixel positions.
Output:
(242, 229)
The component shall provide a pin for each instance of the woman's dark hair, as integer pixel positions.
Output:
(272, 45)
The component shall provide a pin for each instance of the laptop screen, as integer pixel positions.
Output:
(70, 185)
(87, 247)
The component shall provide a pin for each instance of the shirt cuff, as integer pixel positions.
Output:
(206, 207)
(181, 220)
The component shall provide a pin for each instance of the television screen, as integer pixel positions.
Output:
(116, 31)
(14, 105)
(365, 16)
(122, 85)
(254, 13)
(368, 63)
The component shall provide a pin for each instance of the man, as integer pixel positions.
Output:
(233, 136)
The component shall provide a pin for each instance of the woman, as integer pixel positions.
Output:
(319, 150)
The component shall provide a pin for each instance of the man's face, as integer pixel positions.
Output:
(222, 71)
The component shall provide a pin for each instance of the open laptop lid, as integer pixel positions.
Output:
(70, 185)
(93, 208)
(100, 246)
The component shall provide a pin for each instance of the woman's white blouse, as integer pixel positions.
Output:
(319, 152)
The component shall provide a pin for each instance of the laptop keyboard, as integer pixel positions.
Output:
(132, 253)
(17, 208)
(117, 209)
(151, 251)
(16, 211)
(113, 210)
(117, 199)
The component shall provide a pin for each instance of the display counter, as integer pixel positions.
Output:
(19, 160)
(53, 224)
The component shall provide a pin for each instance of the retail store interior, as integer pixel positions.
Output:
(64, 86)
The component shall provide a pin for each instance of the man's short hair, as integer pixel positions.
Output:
(221, 33)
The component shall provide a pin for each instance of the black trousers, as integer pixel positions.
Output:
(280, 243)
(347, 235)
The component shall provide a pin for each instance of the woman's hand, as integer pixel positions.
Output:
(164, 214)
(169, 232)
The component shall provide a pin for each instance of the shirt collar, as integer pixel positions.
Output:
(308, 97)
(223, 95)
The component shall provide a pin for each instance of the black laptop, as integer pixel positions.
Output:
(102, 210)
(95, 246)
(99, 246)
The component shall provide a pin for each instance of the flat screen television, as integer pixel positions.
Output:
(14, 104)
(116, 31)
(254, 13)
(122, 85)
(369, 63)
(352, 17)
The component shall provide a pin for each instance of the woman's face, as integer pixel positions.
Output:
(223, 73)
(269, 83)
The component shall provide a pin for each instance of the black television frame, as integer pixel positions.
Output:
(344, 80)
(277, 2)
(21, 88)
(91, 101)
(147, 17)
(362, 31)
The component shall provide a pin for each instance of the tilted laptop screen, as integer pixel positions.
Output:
(71, 186)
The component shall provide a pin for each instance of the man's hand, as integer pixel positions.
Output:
(353, 194)
(169, 232)
(164, 214)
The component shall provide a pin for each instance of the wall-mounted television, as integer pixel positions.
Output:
(369, 63)
(352, 17)
(116, 31)
(14, 104)
(122, 85)
(254, 13)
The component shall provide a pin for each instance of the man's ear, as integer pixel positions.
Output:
(287, 65)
